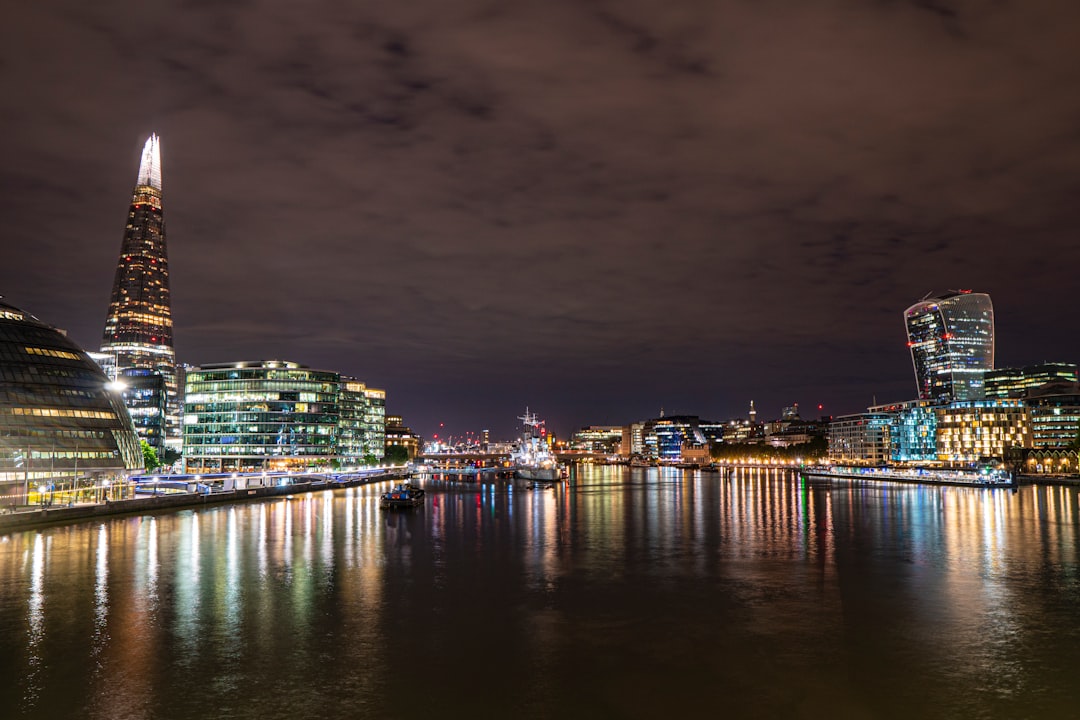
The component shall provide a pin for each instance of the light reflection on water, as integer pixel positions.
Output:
(607, 597)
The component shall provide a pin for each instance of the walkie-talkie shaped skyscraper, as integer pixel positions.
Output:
(951, 339)
(139, 329)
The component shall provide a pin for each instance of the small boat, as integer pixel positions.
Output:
(402, 496)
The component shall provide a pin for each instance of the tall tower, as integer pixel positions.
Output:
(952, 344)
(138, 329)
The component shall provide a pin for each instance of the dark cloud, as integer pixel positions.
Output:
(596, 208)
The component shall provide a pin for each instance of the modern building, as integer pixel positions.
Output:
(912, 432)
(138, 328)
(1020, 382)
(975, 431)
(279, 415)
(145, 396)
(361, 430)
(665, 437)
(375, 421)
(61, 423)
(1055, 421)
(267, 415)
(603, 439)
(861, 438)
(951, 339)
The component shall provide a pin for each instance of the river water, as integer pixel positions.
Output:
(629, 593)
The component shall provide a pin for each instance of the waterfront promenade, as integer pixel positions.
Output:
(34, 516)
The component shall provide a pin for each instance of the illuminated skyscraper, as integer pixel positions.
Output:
(138, 329)
(952, 344)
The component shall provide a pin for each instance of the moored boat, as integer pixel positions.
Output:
(978, 477)
(533, 459)
(404, 495)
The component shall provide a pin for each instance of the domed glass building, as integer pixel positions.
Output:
(60, 424)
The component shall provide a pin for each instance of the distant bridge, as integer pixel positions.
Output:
(492, 459)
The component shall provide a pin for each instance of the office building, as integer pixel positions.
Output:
(975, 431)
(861, 438)
(951, 339)
(61, 421)
(1020, 382)
(138, 327)
(912, 430)
(268, 415)
(362, 423)
(604, 439)
(279, 415)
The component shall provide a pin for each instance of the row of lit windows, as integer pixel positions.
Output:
(196, 383)
(224, 398)
(62, 412)
(49, 352)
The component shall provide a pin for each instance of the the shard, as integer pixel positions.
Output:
(139, 330)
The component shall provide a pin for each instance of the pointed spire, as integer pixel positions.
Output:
(150, 166)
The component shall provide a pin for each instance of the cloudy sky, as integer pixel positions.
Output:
(594, 208)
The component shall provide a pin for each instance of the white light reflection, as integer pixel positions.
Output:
(326, 544)
(101, 591)
(35, 619)
(187, 584)
(261, 547)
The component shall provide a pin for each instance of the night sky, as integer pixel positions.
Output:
(596, 209)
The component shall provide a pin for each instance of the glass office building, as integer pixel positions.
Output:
(271, 415)
(138, 328)
(861, 438)
(912, 432)
(362, 423)
(951, 339)
(970, 432)
(1055, 421)
(60, 419)
(278, 415)
(145, 397)
(1022, 381)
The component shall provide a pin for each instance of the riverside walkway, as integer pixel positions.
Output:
(161, 493)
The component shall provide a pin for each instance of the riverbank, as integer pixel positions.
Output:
(33, 518)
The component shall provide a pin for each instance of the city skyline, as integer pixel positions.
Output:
(596, 212)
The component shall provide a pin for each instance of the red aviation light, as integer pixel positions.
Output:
(910, 343)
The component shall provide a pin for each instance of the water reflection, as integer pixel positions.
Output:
(596, 597)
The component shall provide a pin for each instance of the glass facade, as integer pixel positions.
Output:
(861, 439)
(375, 422)
(951, 339)
(59, 420)
(597, 439)
(913, 431)
(1019, 382)
(970, 432)
(362, 427)
(144, 395)
(259, 416)
(277, 415)
(138, 327)
(665, 437)
(1055, 421)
